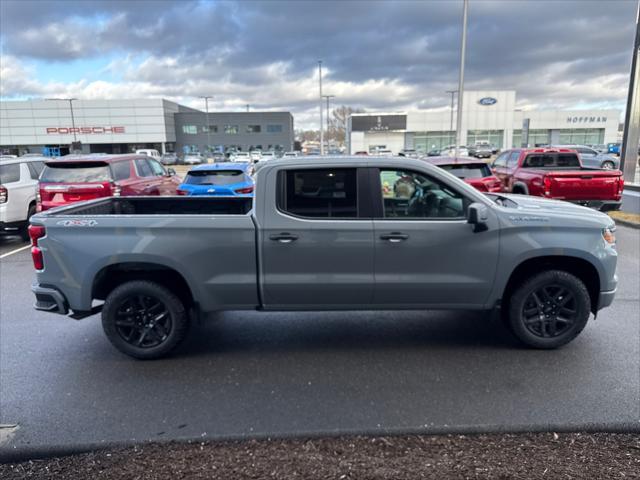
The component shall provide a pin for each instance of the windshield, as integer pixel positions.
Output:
(216, 177)
(479, 170)
(76, 172)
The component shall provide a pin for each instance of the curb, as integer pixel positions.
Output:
(21, 454)
(626, 223)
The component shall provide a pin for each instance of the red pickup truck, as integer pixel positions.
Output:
(557, 173)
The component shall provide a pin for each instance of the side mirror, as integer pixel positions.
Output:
(477, 215)
(171, 172)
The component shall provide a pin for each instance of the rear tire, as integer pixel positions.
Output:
(608, 165)
(144, 319)
(24, 232)
(549, 310)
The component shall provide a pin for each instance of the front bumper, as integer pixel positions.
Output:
(606, 298)
(11, 228)
(602, 205)
(49, 300)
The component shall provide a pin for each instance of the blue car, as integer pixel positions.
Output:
(613, 148)
(219, 179)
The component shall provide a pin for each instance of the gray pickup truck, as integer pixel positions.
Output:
(347, 233)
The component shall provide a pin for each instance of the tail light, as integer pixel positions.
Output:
(244, 190)
(38, 199)
(36, 232)
(182, 192)
(620, 186)
(4, 194)
(546, 181)
(116, 190)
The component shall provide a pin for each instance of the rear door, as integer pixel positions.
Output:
(166, 184)
(20, 191)
(147, 182)
(426, 254)
(499, 167)
(317, 244)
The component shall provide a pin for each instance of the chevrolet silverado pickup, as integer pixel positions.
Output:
(350, 233)
(558, 173)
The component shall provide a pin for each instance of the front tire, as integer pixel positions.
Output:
(608, 165)
(549, 310)
(24, 232)
(144, 319)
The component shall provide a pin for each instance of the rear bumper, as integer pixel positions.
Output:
(606, 298)
(602, 205)
(11, 228)
(49, 300)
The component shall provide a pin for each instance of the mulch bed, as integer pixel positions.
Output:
(495, 456)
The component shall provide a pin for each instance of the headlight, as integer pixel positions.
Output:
(609, 235)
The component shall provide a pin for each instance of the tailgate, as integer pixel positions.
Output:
(584, 185)
(56, 194)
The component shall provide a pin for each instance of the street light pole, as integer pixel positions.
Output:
(463, 49)
(453, 93)
(73, 120)
(328, 97)
(631, 134)
(206, 106)
(321, 107)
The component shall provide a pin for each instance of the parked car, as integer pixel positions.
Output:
(409, 153)
(291, 154)
(325, 236)
(480, 150)
(193, 159)
(218, 179)
(169, 159)
(450, 151)
(591, 158)
(18, 182)
(240, 157)
(433, 153)
(268, 156)
(476, 173)
(361, 152)
(557, 173)
(149, 152)
(614, 148)
(78, 178)
(600, 148)
(256, 155)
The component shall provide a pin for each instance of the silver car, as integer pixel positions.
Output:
(591, 158)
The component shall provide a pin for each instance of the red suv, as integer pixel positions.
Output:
(85, 177)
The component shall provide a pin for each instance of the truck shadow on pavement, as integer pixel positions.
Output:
(344, 331)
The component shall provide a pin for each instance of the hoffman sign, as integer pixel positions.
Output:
(592, 119)
(84, 130)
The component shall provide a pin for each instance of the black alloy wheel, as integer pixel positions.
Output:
(550, 311)
(143, 321)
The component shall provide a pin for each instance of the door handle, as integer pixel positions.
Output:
(284, 237)
(395, 237)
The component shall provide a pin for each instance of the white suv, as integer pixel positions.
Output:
(18, 183)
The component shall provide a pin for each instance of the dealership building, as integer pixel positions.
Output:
(486, 116)
(122, 126)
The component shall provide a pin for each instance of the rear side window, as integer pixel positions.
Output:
(478, 170)
(10, 173)
(216, 177)
(552, 160)
(76, 172)
(35, 169)
(156, 168)
(121, 170)
(501, 161)
(319, 193)
(144, 170)
(512, 161)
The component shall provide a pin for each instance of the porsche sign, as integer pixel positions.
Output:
(83, 130)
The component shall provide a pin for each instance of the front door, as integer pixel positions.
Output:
(426, 254)
(317, 244)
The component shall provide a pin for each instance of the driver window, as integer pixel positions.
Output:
(407, 194)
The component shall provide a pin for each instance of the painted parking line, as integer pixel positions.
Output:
(14, 251)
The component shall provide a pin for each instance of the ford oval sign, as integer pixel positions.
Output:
(487, 101)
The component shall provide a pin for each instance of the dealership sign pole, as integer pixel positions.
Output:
(631, 136)
(206, 106)
(461, 78)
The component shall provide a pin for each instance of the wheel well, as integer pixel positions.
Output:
(519, 188)
(582, 269)
(114, 275)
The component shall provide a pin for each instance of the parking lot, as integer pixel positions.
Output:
(253, 374)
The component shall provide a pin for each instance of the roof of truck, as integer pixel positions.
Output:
(96, 157)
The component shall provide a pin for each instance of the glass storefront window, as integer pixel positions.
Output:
(253, 129)
(582, 136)
(494, 137)
(274, 128)
(190, 129)
(231, 129)
(426, 141)
(536, 137)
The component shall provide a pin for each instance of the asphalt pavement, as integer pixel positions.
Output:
(278, 374)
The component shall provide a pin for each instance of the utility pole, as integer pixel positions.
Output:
(73, 120)
(321, 107)
(247, 108)
(631, 134)
(206, 106)
(328, 97)
(453, 93)
(463, 49)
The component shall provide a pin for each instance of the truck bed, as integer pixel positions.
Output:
(159, 206)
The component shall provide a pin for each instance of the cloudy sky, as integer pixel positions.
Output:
(378, 55)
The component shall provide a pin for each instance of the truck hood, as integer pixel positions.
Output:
(537, 206)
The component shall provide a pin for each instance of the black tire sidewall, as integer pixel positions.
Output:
(516, 303)
(179, 318)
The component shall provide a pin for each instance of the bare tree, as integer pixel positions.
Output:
(338, 122)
